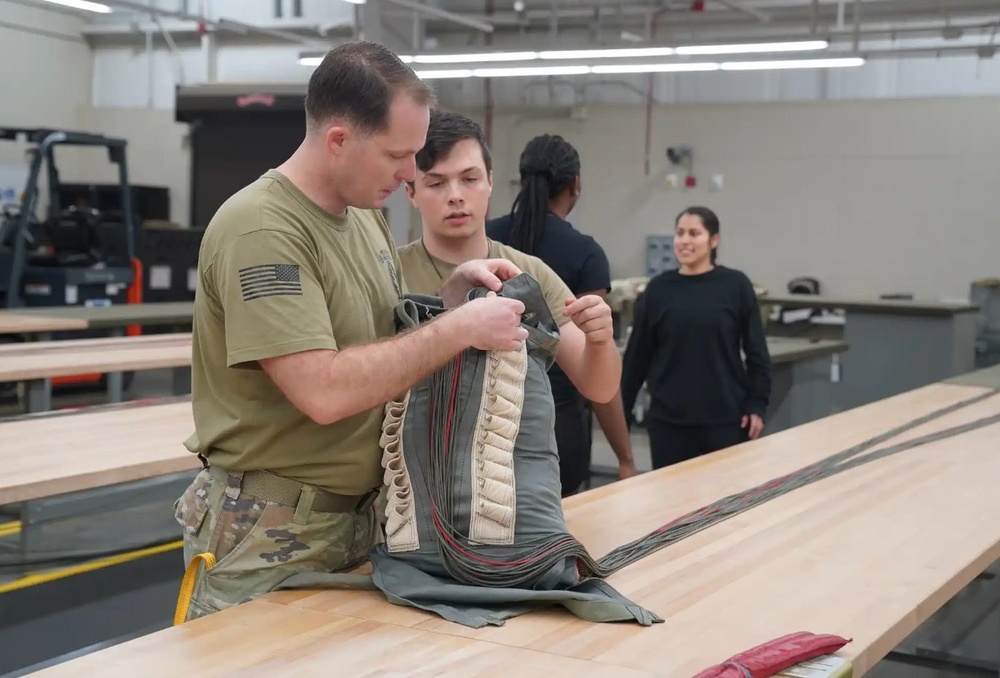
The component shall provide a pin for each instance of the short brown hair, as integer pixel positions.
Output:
(358, 81)
(446, 130)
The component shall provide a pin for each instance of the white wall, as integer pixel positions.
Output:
(869, 197)
(47, 68)
(158, 153)
(36, 41)
(874, 179)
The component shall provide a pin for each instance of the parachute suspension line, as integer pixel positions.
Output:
(513, 565)
(705, 517)
(519, 564)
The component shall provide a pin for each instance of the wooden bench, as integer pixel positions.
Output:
(36, 363)
(50, 455)
(115, 318)
(60, 466)
(868, 554)
(12, 322)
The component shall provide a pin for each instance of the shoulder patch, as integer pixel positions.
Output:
(270, 280)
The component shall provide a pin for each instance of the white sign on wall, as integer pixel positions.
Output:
(12, 181)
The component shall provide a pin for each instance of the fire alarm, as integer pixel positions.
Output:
(690, 181)
(698, 6)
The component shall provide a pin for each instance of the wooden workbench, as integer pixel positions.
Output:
(803, 386)
(868, 554)
(804, 380)
(30, 323)
(118, 316)
(788, 350)
(858, 305)
(37, 363)
(896, 344)
(46, 456)
(44, 360)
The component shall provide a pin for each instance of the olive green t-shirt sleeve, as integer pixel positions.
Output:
(556, 291)
(269, 286)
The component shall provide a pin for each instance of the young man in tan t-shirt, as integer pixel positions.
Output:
(451, 191)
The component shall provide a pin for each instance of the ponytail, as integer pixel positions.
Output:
(528, 213)
(548, 166)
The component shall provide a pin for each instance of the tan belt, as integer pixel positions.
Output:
(285, 491)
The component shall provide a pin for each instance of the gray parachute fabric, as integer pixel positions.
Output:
(474, 524)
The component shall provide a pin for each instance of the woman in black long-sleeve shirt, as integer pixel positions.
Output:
(690, 327)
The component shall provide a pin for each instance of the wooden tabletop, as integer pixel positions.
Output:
(48, 359)
(868, 554)
(788, 350)
(28, 323)
(986, 377)
(118, 315)
(886, 306)
(267, 640)
(50, 455)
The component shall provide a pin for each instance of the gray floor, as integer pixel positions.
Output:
(968, 626)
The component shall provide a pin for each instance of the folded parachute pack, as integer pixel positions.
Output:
(474, 523)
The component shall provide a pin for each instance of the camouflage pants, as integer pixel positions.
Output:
(258, 544)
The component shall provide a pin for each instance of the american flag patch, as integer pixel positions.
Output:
(270, 280)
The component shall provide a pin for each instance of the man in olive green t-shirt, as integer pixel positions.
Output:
(451, 192)
(294, 345)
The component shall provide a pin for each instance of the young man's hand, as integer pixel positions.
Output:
(593, 316)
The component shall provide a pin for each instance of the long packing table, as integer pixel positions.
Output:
(868, 554)
(37, 363)
(52, 455)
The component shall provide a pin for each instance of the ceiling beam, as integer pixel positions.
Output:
(478, 24)
(805, 13)
(740, 7)
(220, 23)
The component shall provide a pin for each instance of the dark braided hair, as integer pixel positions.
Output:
(549, 164)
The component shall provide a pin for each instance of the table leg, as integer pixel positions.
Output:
(38, 396)
(116, 387)
(116, 380)
(978, 608)
(181, 377)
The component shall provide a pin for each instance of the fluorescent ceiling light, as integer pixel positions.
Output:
(616, 53)
(530, 70)
(640, 68)
(355, 2)
(792, 63)
(753, 48)
(83, 4)
(654, 68)
(434, 75)
(473, 58)
(607, 53)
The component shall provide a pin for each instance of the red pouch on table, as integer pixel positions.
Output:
(775, 655)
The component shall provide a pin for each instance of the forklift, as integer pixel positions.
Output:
(75, 255)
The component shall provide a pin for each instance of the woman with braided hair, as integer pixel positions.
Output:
(536, 225)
